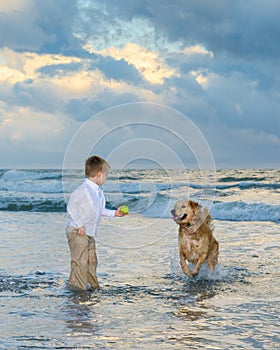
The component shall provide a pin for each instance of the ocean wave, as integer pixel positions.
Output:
(230, 211)
(37, 181)
(33, 205)
(158, 205)
(51, 186)
(244, 185)
(240, 179)
(155, 206)
(54, 185)
(240, 211)
(146, 193)
(52, 181)
(23, 175)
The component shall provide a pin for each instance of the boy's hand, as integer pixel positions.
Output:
(119, 213)
(82, 230)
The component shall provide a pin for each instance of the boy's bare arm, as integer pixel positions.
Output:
(119, 213)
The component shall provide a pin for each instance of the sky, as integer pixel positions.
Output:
(142, 78)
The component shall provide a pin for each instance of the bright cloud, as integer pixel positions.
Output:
(146, 62)
(202, 76)
(16, 67)
(48, 82)
(197, 50)
(90, 84)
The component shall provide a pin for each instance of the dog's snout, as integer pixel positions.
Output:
(173, 212)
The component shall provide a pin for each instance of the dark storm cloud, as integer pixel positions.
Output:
(230, 88)
(241, 28)
(118, 70)
(243, 35)
(56, 19)
(18, 31)
(41, 26)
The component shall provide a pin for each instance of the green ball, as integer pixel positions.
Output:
(124, 209)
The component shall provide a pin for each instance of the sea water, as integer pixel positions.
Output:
(145, 301)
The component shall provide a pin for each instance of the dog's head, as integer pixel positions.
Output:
(184, 211)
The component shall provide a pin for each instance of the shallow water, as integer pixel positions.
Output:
(145, 301)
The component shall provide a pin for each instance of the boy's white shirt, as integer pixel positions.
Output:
(86, 206)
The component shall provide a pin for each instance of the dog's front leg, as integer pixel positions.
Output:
(184, 265)
(201, 260)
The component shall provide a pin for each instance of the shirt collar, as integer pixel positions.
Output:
(92, 184)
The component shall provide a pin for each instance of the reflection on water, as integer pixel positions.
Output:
(79, 313)
(190, 314)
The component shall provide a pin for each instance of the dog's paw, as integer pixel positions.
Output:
(187, 273)
(194, 273)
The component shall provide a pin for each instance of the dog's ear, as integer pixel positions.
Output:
(195, 206)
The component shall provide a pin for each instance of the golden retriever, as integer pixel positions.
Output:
(196, 241)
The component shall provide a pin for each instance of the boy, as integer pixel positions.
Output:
(85, 207)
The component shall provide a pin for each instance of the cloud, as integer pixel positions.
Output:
(42, 26)
(146, 62)
(118, 69)
(16, 67)
(100, 25)
(29, 137)
(197, 50)
(246, 147)
(18, 25)
(12, 5)
(244, 29)
(59, 84)
(216, 62)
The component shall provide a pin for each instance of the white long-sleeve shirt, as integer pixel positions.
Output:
(86, 206)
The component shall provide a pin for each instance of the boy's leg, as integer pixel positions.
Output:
(79, 258)
(92, 264)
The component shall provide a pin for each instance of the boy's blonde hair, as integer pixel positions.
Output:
(94, 164)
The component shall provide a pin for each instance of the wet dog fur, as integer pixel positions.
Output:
(196, 241)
